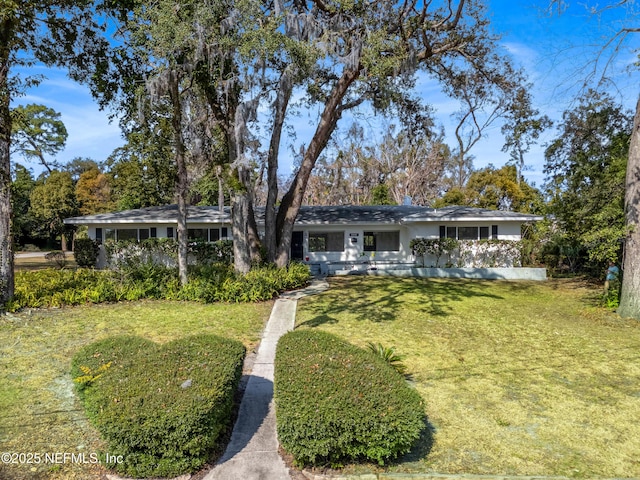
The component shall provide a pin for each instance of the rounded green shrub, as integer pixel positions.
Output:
(85, 252)
(338, 403)
(161, 407)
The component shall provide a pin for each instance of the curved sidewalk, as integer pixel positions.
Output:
(252, 453)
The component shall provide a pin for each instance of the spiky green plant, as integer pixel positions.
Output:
(389, 355)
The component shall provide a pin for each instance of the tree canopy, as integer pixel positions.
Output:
(38, 132)
(586, 166)
(496, 189)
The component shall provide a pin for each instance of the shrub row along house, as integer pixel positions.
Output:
(344, 239)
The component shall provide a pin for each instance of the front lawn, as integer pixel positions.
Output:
(39, 413)
(518, 378)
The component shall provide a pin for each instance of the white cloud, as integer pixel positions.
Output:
(90, 134)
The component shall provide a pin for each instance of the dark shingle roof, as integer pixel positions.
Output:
(341, 214)
(403, 214)
(162, 214)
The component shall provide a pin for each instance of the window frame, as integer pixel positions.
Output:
(331, 245)
(371, 242)
(483, 232)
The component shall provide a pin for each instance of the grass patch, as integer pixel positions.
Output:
(30, 263)
(38, 409)
(518, 378)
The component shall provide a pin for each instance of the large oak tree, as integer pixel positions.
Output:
(246, 58)
(367, 54)
(53, 32)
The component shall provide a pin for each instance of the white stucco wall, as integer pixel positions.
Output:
(353, 251)
(354, 244)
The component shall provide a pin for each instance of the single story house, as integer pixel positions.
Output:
(329, 238)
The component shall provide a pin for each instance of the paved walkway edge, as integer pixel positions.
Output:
(252, 453)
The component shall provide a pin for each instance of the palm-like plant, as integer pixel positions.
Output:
(389, 355)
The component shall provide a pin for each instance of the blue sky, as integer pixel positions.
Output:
(557, 53)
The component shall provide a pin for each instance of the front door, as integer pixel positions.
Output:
(297, 246)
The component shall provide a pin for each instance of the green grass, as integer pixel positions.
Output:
(39, 412)
(518, 378)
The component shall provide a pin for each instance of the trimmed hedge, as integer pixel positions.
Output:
(161, 407)
(338, 403)
(213, 283)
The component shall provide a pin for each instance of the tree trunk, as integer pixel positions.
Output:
(181, 233)
(292, 200)
(181, 180)
(285, 88)
(630, 297)
(6, 237)
(240, 221)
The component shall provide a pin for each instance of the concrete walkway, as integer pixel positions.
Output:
(252, 453)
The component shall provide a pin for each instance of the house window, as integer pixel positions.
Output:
(214, 234)
(169, 232)
(452, 232)
(110, 234)
(467, 233)
(326, 241)
(197, 234)
(143, 234)
(99, 235)
(153, 232)
(225, 233)
(127, 234)
(381, 241)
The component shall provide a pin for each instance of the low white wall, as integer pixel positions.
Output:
(515, 273)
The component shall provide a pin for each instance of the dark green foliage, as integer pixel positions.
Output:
(218, 284)
(21, 187)
(586, 170)
(211, 283)
(339, 403)
(85, 251)
(212, 252)
(380, 195)
(162, 407)
(611, 297)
